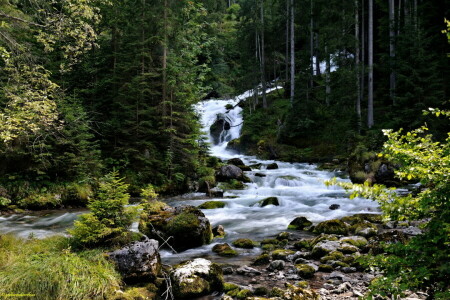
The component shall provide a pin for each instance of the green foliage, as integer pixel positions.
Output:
(109, 219)
(423, 261)
(49, 269)
(148, 193)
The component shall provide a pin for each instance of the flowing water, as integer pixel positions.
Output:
(298, 187)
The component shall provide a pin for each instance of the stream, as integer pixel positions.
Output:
(299, 188)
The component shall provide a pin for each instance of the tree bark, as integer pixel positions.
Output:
(327, 76)
(292, 53)
(370, 121)
(357, 67)
(287, 43)
(164, 61)
(392, 79)
(263, 59)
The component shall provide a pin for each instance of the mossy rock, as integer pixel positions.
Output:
(284, 236)
(281, 254)
(302, 244)
(246, 179)
(365, 229)
(187, 224)
(270, 241)
(137, 293)
(232, 185)
(261, 291)
(348, 249)
(322, 237)
(305, 271)
(224, 250)
(334, 226)
(244, 294)
(299, 223)
(357, 241)
(325, 268)
(228, 286)
(212, 205)
(269, 201)
(358, 218)
(333, 256)
(340, 264)
(269, 247)
(263, 259)
(276, 292)
(302, 284)
(244, 243)
(272, 166)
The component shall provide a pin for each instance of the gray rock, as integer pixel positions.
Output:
(227, 270)
(348, 269)
(236, 162)
(324, 247)
(216, 192)
(411, 230)
(272, 166)
(138, 261)
(334, 206)
(276, 265)
(248, 271)
(342, 288)
(301, 261)
(229, 172)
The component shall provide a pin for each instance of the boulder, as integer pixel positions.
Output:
(234, 145)
(196, 278)
(229, 172)
(357, 241)
(236, 162)
(269, 201)
(324, 247)
(244, 243)
(224, 250)
(216, 192)
(299, 223)
(218, 231)
(263, 259)
(332, 227)
(187, 225)
(217, 127)
(272, 166)
(281, 254)
(139, 261)
(212, 205)
(305, 271)
(334, 206)
(276, 265)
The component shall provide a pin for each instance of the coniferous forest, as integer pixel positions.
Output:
(213, 149)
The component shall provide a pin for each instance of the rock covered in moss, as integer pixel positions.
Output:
(244, 243)
(187, 225)
(218, 231)
(212, 205)
(272, 166)
(196, 278)
(235, 162)
(263, 259)
(269, 201)
(357, 241)
(224, 250)
(324, 247)
(299, 223)
(365, 229)
(305, 271)
(139, 261)
(332, 227)
(281, 254)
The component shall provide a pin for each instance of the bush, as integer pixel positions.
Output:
(50, 270)
(421, 263)
(109, 220)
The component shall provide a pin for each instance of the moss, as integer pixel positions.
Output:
(263, 259)
(233, 293)
(269, 247)
(335, 256)
(137, 293)
(281, 254)
(212, 205)
(269, 241)
(224, 250)
(357, 241)
(244, 294)
(154, 207)
(302, 244)
(232, 185)
(302, 284)
(322, 237)
(341, 264)
(305, 271)
(283, 236)
(244, 243)
(348, 249)
(325, 268)
(365, 229)
(41, 201)
(276, 292)
(195, 286)
(261, 291)
(227, 286)
(269, 201)
(332, 227)
(299, 223)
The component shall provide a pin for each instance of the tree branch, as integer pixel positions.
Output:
(3, 15)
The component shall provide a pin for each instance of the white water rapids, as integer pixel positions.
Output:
(299, 188)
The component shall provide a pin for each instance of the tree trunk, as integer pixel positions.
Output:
(357, 67)
(317, 56)
(392, 78)
(164, 62)
(327, 76)
(363, 49)
(311, 42)
(370, 121)
(263, 59)
(287, 43)
(292, 54)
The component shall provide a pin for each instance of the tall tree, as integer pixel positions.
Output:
(370, 121)
(292, 42)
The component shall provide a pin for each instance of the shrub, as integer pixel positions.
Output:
(108, 220)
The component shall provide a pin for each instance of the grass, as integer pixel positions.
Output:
(49, 269)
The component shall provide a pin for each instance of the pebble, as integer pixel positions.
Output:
(246, 270)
